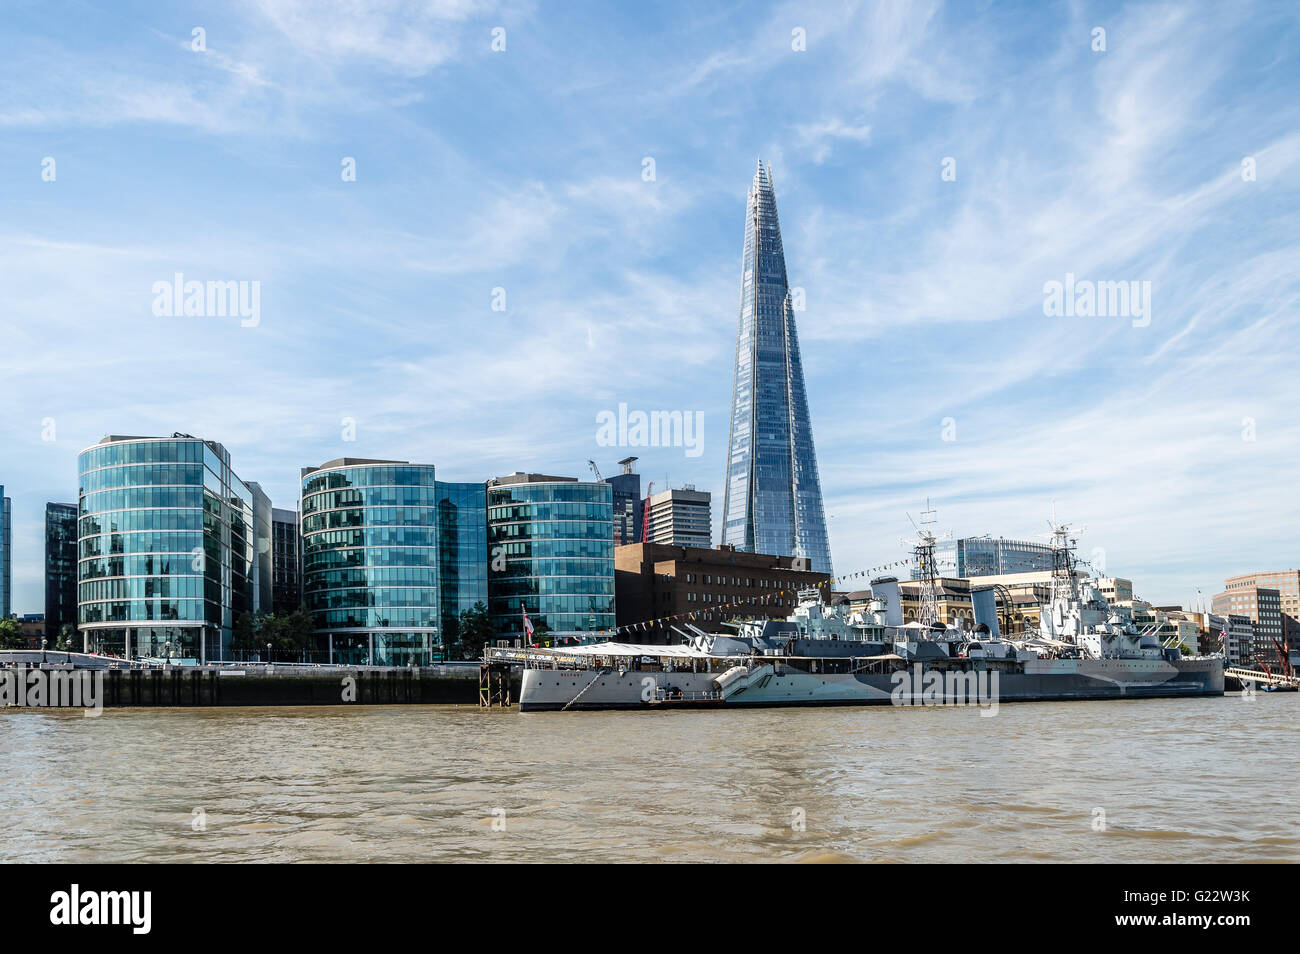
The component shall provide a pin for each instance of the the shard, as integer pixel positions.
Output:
(773, 500)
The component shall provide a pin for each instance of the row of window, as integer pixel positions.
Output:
(384, 617)
(126, 611)
(426, 496)
(142, 475)
(550, 510)
(135, 498)
(378, 596)
(150, 587)
(370, 537)
(526, 568)
(370, 517)
(712, 579)
(552, 530)
(373, 576)
(547, 585)
(145, 452)
(560, 492)
(545, 549)
(369, 556)
(140, 542)
(396, 476)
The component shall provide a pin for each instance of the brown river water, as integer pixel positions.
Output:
(1177, 780)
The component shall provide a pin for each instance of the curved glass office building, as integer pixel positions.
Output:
(165, 550)
(551, 543)
(388, 553)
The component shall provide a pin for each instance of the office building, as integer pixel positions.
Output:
(1262, 605)
(627, 506)
(655, 581)
(166, 548)
(263, 551)
(60, 570)
(286, 562)
(551, 551)
(971, 557)
(681, 518)
(773, 497)
(389, 553)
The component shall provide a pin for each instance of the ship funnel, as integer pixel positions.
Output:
(885, 589)
(984, 601)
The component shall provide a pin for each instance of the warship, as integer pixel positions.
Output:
(822, 655)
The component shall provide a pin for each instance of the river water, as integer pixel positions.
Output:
(1152, 781)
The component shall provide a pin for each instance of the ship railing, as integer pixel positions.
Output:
(663, 694)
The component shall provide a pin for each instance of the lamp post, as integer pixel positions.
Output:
(42, 650)
(167, 652)
(268, 654)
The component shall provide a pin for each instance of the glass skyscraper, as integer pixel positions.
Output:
(166, 548)
(773, 497)
(551, 546)
(388, 554)
(60, 570)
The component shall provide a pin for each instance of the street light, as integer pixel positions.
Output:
(42, 650)
(167, 652)
(268, 654)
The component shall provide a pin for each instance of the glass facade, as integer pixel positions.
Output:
(970, 557)
(462, 547)
(388, 554)
(286, 578)
(552, 550)
(166, 548)
(773, 498)
(60, 570)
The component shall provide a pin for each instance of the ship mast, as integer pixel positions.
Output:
(927, 572)
(1065, 586)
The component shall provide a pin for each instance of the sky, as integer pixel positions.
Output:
(546, 221)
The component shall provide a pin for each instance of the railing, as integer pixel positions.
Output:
(1253, 675)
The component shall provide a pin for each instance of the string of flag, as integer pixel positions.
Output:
(740, 606)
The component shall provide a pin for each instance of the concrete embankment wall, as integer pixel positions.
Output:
(258, 686)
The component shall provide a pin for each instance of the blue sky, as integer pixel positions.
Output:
(1175, 444)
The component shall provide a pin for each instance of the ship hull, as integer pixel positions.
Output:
(1034, 681)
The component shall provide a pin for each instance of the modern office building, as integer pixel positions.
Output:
(1247, 596)
(462, 548)
(551, 552)
(628, 507)
(370, 560)
(1241, 641)
(773, 497)
(656, 581)
(166, 547)
(6, 555)
(263, 555)
(681, 518)
(389, 553)
(286, 562)
(60, 568)
(971, 557)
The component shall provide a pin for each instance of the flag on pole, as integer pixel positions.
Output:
(528, 623)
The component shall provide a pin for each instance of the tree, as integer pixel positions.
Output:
(244, 635)
(11, 634)
(67, 640)
(475, 629)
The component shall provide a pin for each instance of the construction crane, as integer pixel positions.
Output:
(595, 470)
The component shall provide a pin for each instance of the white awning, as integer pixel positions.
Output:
(629, 650)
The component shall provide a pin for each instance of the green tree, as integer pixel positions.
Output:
(11, 634)
(244, 636)
(475, 629)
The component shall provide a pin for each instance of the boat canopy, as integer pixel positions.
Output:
(629, 650)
